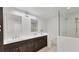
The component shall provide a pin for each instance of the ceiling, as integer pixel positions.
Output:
(47, 12)
(43, 12)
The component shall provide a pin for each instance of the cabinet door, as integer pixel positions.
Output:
(14, 49)
(36, 46)
(40, 43)
(26, 48)
(1, 48)
(44, 41)
(11, 49)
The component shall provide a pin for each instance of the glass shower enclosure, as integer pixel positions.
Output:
(69, 22)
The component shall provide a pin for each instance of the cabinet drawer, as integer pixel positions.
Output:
(26, 48)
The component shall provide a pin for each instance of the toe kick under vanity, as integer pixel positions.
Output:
(15, 27)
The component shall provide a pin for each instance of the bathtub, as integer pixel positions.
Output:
(67, 44)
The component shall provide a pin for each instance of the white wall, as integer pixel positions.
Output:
(52, 30)
(42, 24)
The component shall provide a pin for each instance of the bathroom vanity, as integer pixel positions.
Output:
(16, 32)
(28, 45)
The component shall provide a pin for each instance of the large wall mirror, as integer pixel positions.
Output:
(34, 25)
(13, 25)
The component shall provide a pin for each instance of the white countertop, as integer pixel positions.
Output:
(8, 41)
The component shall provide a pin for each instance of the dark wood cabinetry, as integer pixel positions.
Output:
(1, 25)
(1, 29)
(30, 45)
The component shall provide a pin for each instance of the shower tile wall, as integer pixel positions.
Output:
(71, 24)
(68, 25)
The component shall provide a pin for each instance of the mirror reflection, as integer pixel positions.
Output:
(34, 25)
